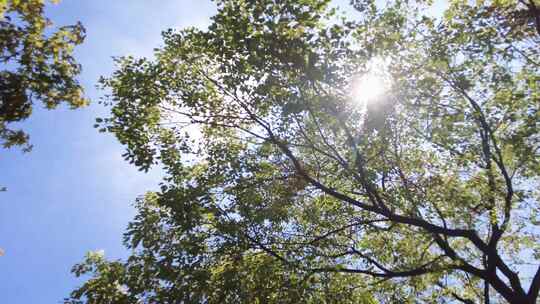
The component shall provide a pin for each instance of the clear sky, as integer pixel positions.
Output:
(73, 192)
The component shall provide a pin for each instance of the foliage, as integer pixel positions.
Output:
(37, 65)
(282, 187)
(189, 272)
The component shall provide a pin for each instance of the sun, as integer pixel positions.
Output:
(373, 84)
(369, 87)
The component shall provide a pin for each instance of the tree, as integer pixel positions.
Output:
(427, 193)
(36, 66)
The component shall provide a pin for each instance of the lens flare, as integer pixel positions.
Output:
(373, 84)
(369, 87)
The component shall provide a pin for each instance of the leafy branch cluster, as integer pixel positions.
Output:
(36, 65)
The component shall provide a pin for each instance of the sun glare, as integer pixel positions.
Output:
(373, 84)
(369, 87)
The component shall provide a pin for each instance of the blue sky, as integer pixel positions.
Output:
(73, 192)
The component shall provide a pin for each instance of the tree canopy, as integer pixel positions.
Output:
(37, 65)
(286, 184)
